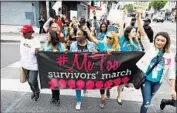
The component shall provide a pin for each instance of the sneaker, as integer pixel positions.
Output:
(78, 106)
(32, 96)
(37, 97)
(108, 93)
(52, 101)
(57, 102)
(119, 101)
(102, 104)
(162, 104)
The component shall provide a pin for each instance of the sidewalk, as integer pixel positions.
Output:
(11, 87)
(16, 37)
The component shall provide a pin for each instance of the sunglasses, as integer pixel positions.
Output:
(108, 37)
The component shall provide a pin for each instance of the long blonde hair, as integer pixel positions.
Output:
(115, 41)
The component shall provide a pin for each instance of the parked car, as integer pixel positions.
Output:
(158, 19)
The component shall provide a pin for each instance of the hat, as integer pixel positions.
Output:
(147, 20)
(27, 28)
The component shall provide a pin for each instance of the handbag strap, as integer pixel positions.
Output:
(158, 60)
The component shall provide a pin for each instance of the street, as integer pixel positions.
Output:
(15, 96)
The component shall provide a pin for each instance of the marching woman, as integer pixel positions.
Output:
(108, 45)
(161, 58)
(128, 42)
(82, 44)
(54, 44)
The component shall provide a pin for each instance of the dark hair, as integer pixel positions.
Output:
(84, 33)
(54, 37)
(166, 35)
(105, 25)
(94, 17)
(128, 30)
(52, 13)
(82, 21)
(133, 19)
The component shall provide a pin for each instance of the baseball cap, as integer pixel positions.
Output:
(147, 20)
(27, 28)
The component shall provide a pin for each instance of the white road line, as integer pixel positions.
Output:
(15, 85)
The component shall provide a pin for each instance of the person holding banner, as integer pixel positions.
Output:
(54, 44)
(109, 45)
(128, 42)
(161, 58)
(81, 45)
(29, 46)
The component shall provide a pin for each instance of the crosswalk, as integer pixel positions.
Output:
(15, 85)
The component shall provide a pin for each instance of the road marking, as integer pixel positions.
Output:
(15, 85)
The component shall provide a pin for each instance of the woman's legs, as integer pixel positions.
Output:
(78, 99)
(119, 91)
(103, 101)
(55, 97)
(148, 90)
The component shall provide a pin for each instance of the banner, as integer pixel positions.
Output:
(86, 70)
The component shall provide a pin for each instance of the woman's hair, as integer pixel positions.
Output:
(84, 33)
(105, 25)
(127, 31)
(166, 35)
(54, 38)
(115, 40)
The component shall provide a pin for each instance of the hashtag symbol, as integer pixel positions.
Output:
(62, 59)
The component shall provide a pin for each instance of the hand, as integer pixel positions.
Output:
(109, 52)
(173, 94)
(55, 50)
(37, 50)
(85, 28)
(95, 51)
(138, 14)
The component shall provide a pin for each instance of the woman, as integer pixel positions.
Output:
(53, 27)
(81, 45)
(28, 49)
(53, 44)
(103, 30)
(128, 42)
(109, 45)
(166, 67)
(71, 38)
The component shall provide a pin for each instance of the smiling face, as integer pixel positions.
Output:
(54, 27)
(103, 28)
(80, 36)
(132, 33)
(110, 38)
(160, 42)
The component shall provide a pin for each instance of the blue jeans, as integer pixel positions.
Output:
(78, 95)
(148, 90)
(32, 79)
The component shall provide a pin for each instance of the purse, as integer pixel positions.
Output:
(22, 75)
(139, 78)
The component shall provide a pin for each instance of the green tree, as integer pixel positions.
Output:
(129, 8)
(157, 5)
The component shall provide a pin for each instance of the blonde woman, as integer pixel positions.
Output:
(109, 45)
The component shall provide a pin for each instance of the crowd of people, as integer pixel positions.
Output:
(94, 36)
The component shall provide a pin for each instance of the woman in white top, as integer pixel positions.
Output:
(166, 67)
(28, 49)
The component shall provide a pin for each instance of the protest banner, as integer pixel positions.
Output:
(86, 70)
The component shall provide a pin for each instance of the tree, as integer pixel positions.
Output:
(129, 8)
(157, 5)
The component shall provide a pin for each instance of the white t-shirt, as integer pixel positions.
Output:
(27, 52)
